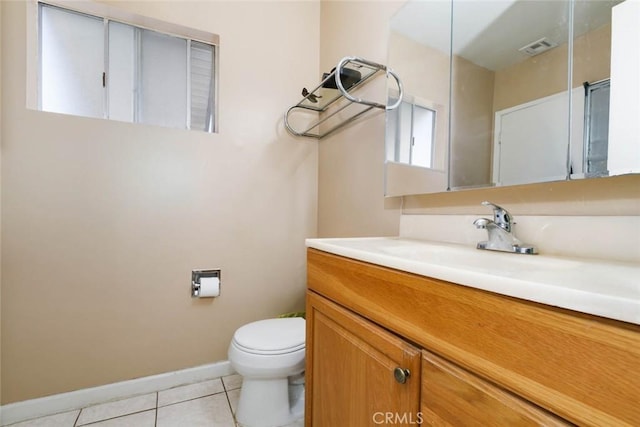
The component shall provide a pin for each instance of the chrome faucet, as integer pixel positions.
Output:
(501, 235)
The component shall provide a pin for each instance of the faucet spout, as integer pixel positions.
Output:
(500, 233)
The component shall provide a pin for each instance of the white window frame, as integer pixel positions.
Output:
(109, 13)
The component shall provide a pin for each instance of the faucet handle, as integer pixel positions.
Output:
(501, 216)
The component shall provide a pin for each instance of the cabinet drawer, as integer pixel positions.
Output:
(452, 396)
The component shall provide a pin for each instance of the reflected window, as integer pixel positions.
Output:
(414, 127)
(596, 135)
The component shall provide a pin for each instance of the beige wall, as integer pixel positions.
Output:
(471, 123)
(592, 56)
(546, 74)
(350, 170)
(103, 221)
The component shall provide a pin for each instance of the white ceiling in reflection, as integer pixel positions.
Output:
(490, 32)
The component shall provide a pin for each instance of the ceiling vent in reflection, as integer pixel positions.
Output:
(538, 46)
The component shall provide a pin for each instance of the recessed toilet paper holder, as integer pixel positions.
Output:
(196, 275)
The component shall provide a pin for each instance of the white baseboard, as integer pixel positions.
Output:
(57, 403)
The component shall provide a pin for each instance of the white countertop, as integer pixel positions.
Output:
(603, 288)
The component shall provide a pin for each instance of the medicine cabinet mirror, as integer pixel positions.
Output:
(510, 92)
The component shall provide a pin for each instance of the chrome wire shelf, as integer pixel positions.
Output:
(350, 73)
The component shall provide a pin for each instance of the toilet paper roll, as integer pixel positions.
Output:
(209, 287)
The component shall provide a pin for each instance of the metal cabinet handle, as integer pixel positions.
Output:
(401, 374)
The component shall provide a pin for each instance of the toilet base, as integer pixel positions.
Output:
(269, 403)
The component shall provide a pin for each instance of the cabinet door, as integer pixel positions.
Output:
(352, 365)
(452, 396)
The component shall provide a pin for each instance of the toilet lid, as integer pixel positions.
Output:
(272, 336)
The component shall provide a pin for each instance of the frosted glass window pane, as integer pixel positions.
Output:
(121, 74)
(72, 61)
(201, 86)
(163, 80)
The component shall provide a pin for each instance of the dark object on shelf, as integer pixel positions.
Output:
(348, 77)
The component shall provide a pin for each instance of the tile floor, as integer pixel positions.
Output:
(209, 403)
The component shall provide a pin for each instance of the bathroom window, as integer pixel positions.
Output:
(95, 66)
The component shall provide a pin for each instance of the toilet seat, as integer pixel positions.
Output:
(271, 336)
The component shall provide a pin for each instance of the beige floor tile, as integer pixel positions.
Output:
(141, 419)
(65, 419)
(188, 392)
(234, 396)
(117, 408)
(210, 411)
(232, 382)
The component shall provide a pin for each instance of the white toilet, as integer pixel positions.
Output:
(269, 354)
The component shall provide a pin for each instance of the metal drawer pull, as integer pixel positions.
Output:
(401, 375)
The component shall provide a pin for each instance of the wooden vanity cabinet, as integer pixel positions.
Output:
(351, 380)
(481, 358)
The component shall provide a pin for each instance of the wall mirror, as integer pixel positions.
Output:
(510, 92)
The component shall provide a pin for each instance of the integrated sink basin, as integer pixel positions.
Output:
(604, 288)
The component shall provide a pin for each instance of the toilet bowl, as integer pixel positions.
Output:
(269, 354)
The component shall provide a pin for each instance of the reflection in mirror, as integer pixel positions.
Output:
(517, 116)
(417, 134)
(509, 92)
(591, 87)
(592, 156)
(414, 138)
